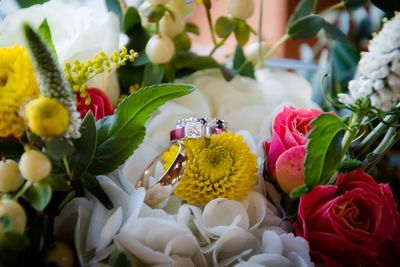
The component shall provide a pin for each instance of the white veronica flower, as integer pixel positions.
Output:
(77, 33)
(379, 69)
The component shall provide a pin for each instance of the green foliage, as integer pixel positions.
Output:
(85, 146)
(299, 191)
(118, 259)
(28, 3)
(57, 183)
(241, 64)
(337, 34)
(305, 27)
(192, 28)
(119, 135)
(39, 195)
(45, 32)
(303, 8)
(114, 6)
(90, 182)
(324, 142)
(354, 4)
(350, 165)
(224, 26)
(153, 74)
(182, 42)
(57, 148)
(10, 149)
(242, 32)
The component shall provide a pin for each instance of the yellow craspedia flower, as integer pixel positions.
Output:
(47, 117)
(17, 85)
(219, 166)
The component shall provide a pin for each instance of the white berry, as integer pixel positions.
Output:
(13, 211)
(170, 26)
(34, 165)
(160, 49)
(142, 11)
(241, 9)
(59, 254)
(158, 2)
(10, 180)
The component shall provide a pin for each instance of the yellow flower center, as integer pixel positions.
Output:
(219, 166)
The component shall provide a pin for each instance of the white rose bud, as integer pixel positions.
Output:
(170, 26)
(10, 180)
(241, 9)
(160, 49)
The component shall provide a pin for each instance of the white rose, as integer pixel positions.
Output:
(76, 32)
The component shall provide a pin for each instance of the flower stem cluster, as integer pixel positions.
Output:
(78, 73)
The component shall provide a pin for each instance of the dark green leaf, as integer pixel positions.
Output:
(227, 73)
(114, 6)
(224, 26)
(28, 3)
(182, 42)
(193, 61)
(85, 146)
(337, 34)
(131, 19)
(241, 64)
(354, 4)
(57, 148)
(14, 241)
(192, 28)
(141, 60)
(303, 8)
(242, 32)
(91, 184)
(299, 191)
(119, 259)
(58, 183)
(153, 74)
(39, 195)
(10, 149)
(119, 135)
(35, 140)
(305, 27)
(323, 139)
(45, 32)
(344, 64)
(155, 13)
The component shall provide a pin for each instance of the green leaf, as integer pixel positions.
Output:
(85, 146)
(303, 8)
(192, 28)
(57, 148)
(14, 241)
(28, 3)
(182, 42)
(153, 74)
(131, 19)
(39, 195)
(190, 60)
(227, 73)
(224, 26)
(241, 64)
(354, 4)
(118, 259)
(114, 6)
(337, 34)
(57, 183)
(299, 191)
(45, 32)
(91, 184)
(321, 161)
(305, 27)
(141, 60)
(119, 135)
(10, 149)
(344, 64)
(242, 32)
(155, 13)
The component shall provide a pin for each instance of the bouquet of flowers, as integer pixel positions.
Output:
(196, 162)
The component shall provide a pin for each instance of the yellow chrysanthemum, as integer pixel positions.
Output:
(219, 166)
(17, 85)
(169, 156)
(47, 117)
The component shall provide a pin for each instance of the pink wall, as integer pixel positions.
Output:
(274, 21)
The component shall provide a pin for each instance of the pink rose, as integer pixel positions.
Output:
(352, 223)
(287, 149)
(100, 104)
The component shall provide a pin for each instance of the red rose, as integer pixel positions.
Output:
(354, 222)
(100, 104)
(287, 149)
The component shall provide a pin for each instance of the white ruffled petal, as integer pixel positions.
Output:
(271, 243)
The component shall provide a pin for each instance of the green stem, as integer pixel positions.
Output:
(157, 27)
(315, 6)
(67, 169)
(277, 45)
(218, 45)
(351, 133)
(333, 7)
(210, 25)
(260, 62)
(22, 191)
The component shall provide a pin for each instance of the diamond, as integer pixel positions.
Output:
(194, 129)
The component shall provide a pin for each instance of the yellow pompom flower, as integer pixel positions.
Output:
(219, 166)
(47, 117)
(17, 85)
(169, 156)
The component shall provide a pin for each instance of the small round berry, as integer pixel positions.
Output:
(170, 26)
(34, 165)
(10, 180)
(158, 2)
(14, 212)
(59, 254)
(160, 49)
(241, 9)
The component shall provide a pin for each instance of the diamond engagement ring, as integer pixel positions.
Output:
(185, 129)
(197, 128)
